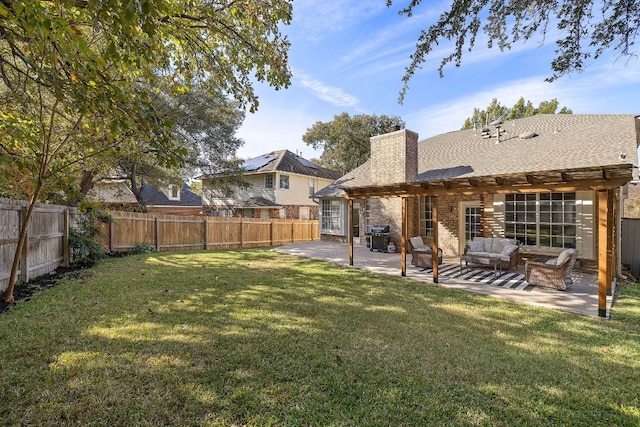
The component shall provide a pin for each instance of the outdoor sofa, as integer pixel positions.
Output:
(482, 249)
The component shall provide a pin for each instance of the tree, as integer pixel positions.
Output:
(588, 30)
(77, 80)
(345, 139)
(204, 124)
(496, 111)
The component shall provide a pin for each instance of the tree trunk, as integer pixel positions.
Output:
(22, 237)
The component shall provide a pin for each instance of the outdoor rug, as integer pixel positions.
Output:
(483, 275)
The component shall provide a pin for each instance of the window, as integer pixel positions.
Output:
(304, 212)
(312, 187)
(332, 215)
(426, 216)
(472, 222)
(542, 219)
(284, 182)
(175, 194)
(268, 181)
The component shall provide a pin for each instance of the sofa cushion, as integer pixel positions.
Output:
(487, 243)
(477, 245)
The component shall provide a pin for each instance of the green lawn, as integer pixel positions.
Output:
(253, 337)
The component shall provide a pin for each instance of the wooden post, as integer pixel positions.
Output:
(241, 232)
(157, 223)
(112, 236)
(65, 239)
(205, 230)
(24, 254)
(434, 250)
(610, 228)
(293, 231)
(271, 231)
(403, 237)
(603, 243)
(350, 231)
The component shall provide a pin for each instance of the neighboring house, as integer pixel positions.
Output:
(281, 185)
(171, 200)
(550, 181)
(114, 193)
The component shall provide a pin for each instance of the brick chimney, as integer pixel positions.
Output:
(394, 157)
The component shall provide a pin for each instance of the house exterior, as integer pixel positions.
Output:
(115, 194)
(547, 180)
(281, 185)
(169, 200)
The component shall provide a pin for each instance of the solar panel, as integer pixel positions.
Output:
(306, 163)
(257, 162)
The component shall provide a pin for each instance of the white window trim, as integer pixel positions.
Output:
(340, 229)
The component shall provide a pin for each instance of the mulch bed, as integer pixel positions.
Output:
(24, 291)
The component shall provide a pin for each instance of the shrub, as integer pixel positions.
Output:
(143, 248)
(85, 245)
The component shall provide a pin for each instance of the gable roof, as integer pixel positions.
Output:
(284, 161)
(151, 196)
(562, 142)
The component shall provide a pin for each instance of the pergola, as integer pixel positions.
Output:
(604, 180)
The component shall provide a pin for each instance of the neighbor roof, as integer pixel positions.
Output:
(154, 197)
(285, 161)
(561, 142)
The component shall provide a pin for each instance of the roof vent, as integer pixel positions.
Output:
(527, 135)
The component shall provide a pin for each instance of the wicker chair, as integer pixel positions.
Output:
(421, 253)
(554, 273)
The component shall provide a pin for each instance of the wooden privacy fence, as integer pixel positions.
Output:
(169, 232)
(47, 239)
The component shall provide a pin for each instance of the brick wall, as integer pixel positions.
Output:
(394, 157)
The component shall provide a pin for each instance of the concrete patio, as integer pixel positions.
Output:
(580, 298)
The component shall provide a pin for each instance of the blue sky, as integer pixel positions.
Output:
(350, 56)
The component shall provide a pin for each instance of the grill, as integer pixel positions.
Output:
(379, 237)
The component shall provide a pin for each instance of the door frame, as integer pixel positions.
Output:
(462, 211)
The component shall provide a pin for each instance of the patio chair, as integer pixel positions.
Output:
(421, 253)
(554, 273)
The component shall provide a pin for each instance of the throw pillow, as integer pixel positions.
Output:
(508, 249)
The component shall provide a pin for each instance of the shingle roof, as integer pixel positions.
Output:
(258, 202)
(563, 141)
(286, 161)
(153, 197)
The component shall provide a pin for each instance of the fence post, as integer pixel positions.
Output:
(24, 266)
(65, 239)
(205, 226)
(293, 231)
(273, 224)
(157, 223)
(241, 232)
(112, 236)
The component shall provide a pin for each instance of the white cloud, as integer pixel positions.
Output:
(327, 93)
(318, 17)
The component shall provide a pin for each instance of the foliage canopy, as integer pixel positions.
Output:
(345, 139)
(587, 30)
(520, 109)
